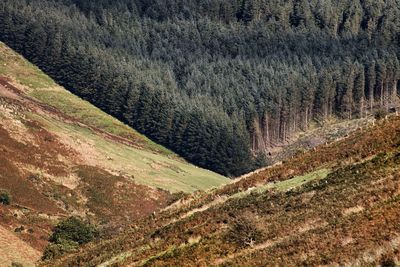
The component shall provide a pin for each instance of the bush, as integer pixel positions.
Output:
(74, 229)
(68, 235)
(244, 232)
(5, 198)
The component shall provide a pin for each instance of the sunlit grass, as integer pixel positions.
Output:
(145, 167)
(300, 180)
(147, 162)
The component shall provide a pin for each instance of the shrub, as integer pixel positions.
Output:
(5, 198)
(244, 232)
(68, 235)
(74, 229)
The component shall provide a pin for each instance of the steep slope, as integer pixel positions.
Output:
(337, 204)
(60, 156)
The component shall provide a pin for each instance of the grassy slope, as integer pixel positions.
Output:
(338, 204)
(60, 156)
(149, 163)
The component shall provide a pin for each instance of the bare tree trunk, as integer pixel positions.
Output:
(361, 110)
(371, 101)
(386, 95)
(284, 131)
(266, 133)
(381, 90)
(306, 120)
(258, 142)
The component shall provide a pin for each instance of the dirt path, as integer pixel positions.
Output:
(12, 249)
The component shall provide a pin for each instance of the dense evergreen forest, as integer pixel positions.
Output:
(220, 82)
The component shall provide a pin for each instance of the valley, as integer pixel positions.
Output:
(63, 157)
(60, 157)
(199, 133)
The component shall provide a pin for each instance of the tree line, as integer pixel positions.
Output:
(219, 82)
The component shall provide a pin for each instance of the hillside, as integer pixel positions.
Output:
(199, 132)
(335, 205)
(61, 156)
(221, 83)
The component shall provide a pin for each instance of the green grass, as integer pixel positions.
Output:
(43, 88)
(146, 167)
(117, 259)
(300, 180)
(90, 115)
(150, 164)
(167, 253)
(35, 79)
(286, 184)
(25, 73)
